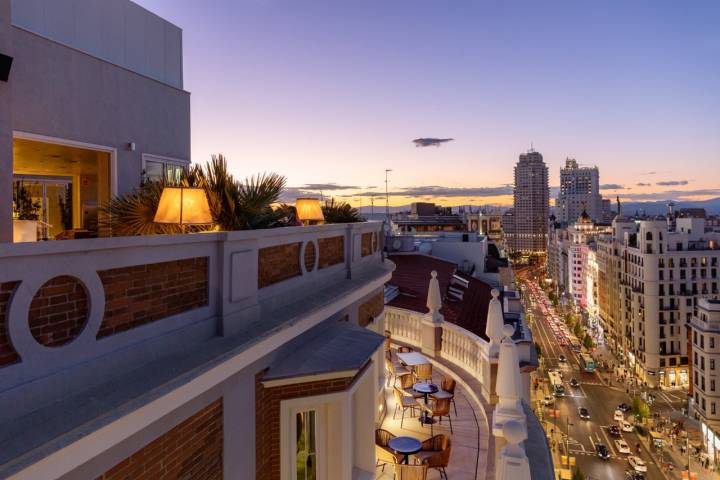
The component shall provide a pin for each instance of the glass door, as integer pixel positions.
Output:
(48, 200)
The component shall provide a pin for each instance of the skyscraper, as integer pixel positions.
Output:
(531, 204)
(579, 191)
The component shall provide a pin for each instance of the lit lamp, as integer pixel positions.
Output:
(183, 206)
(309, 210)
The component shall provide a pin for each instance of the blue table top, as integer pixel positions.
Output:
(405, 445)
(423, 387)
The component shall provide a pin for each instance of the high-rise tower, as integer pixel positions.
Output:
(531, 202)
(579, 191)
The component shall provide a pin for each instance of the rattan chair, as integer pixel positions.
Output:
(405, 349)
(393, 369)
(447, 390)
(438, 407)
(383, 452)
(406, 384)
(423, 372)
(388, 340)
(404, 401)
(410, 472)
(435, 453)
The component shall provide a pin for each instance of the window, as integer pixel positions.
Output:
(712, 364)
(161, 168)
(712, 342)
(305, 451)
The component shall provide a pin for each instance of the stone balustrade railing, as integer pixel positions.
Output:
(463, 348)
(404, 325)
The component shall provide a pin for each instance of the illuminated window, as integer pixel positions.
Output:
(305, 448)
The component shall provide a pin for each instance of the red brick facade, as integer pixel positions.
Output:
(191, 450)
(8, 354)
(142, 294)
(366, 244)
(278, 263)
(371, 308)
(332, 251)
(59, 311)
(267, 418)
(309, 256)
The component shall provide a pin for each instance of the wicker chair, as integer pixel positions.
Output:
(406, 384)
(447, 390)
(383, 452)
(423, 372)
(439, 407)
(410, 472)
(388, 340)
(405, 349)
(435, 453)
(404, 401)
(393, 369)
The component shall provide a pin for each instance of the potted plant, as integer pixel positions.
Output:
(26, 213)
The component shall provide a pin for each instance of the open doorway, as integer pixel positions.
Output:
(58, 190)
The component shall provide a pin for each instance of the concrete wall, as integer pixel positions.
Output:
(59, 92)
(117, 31)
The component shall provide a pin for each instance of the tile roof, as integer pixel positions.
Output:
(412, 276)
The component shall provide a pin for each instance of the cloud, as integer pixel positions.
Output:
(641, 184)
(329, 186)
(611, 186)
(649, 173)
(672, 183)
(673, 194)
(441, 191)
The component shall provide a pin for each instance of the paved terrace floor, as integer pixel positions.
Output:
(469, 457)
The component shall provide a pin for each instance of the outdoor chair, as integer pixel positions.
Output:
(404, 401)
(410, 472)
(393, 369)
(406, 384)
(438, 407)
(388, 341)
(423, 372)
(435, 453)
(383, 452)
(405, 349)
(447, 390)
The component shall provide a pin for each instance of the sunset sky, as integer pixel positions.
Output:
(331, 93)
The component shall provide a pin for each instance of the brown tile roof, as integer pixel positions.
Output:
(412, 276)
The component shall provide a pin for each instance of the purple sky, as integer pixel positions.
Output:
(334, 91)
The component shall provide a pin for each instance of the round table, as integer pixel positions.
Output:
(426, 389)
(405, 446)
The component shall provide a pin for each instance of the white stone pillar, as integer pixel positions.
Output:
(508, 386)
(512, 463)
(431, 328)
(494, 323)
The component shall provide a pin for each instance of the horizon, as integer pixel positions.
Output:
(331, 95)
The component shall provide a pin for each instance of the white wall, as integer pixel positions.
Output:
(457, 252)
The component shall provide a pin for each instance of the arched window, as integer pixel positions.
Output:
(648, 236)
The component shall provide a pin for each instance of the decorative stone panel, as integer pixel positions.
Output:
(8, 354)
(267, 418)
(142, 294)
(332, 251)
(59, 311)
(371, 308)
(278, 263)
(192, 449)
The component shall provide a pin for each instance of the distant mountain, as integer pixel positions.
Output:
(711, 206)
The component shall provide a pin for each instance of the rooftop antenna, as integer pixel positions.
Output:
(387, 198)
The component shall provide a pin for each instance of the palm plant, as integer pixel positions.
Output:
(234, 205)
(340, 212)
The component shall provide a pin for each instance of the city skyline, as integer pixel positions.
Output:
(273, 82)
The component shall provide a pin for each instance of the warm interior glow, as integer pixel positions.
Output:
(308, 209)
(183, 206)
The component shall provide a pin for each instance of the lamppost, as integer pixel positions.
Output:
(567, 439)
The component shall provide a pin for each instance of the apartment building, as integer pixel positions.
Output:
(94, 102)
(704, 350)
(526, 229)
(579, 192)
(658, 269)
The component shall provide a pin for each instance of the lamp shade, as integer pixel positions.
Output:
(308, 209)
(183, 206)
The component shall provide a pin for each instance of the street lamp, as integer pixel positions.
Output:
(567, 439)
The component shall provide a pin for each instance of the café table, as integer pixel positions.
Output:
(405, 446)
(426, 389)
(413, 358)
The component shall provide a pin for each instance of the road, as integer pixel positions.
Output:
(599, 399)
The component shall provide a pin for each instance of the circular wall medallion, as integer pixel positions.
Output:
(58, 311)
(374, 242)
(309, 256)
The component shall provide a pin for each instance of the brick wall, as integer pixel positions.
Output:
(332, 251)
(191, 450)
(8, 354)
(309, 256)
(371, 308)
(59, 311)
(142, 294)
(278, 263)
(267, 419)
(366, 244)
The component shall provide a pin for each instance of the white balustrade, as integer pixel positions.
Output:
(404, 325)
(462, 347)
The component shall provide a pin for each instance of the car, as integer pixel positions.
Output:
(637, 464)
(633, 475)
(618, 416)
(626, 426)
(614, 430)
(548, 400)
(562, 359)
(623, 407)
(622, 446)
(584, 414)
(602, 451)
(574, 383)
